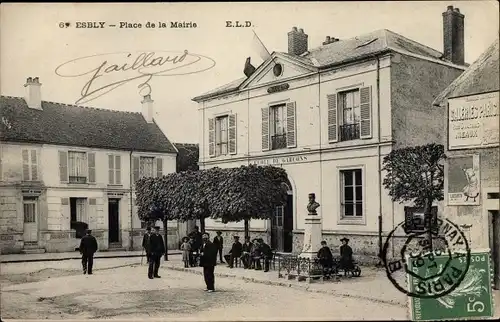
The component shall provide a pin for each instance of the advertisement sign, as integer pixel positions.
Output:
(472, 299)
(473, 121)
(463, 180)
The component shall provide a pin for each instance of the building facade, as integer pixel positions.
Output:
(62, 165)
(328, 116)
(470, 105)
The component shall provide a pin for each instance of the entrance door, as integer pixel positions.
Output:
(288, 225)
(495, 246)
(113, 221)
(30, 210)
(277, 231)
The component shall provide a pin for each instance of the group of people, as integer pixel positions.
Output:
(346, 261)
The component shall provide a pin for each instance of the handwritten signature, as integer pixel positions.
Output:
(102, 79)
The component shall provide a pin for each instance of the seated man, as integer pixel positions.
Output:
(235, 252)
(266, 254)
(247, 251)
(346, 261)
(325, 257)
(255, 255)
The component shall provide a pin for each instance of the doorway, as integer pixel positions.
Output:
(113, 220)
(282, 225)
(495, 246)
(30, 222)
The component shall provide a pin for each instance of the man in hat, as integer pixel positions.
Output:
(235, 251)
(88, 246)
(219, 243)
(346, 262)
(145, 242)
(156, 250)
(208, 260)
(247, 248)
(266, 252)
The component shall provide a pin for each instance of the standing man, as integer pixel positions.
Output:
(197, 237)
(145, 243)
(156, 251)
(219, 243)
(208, 260)
(88, 246)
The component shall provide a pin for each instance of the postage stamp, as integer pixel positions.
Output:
(440, 278)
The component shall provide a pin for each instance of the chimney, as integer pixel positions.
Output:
(33, 93)
(297, 41)
(330, 40)
(453, 35)
(147, 108)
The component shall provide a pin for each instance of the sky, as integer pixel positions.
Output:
(34, 43)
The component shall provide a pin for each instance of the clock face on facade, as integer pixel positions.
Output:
(278, 70)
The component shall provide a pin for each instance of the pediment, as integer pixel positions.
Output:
(265, 74)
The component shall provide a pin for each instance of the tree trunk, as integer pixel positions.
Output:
(165, 233)
(247, 228)
(202, 225)
(428, 222)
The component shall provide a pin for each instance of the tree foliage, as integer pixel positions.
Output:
(231, 194)
(415, 174)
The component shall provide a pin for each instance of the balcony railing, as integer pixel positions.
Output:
(278, 141)
(349, 132)
(75, 179)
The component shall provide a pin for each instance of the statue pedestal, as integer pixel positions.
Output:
(312, 237)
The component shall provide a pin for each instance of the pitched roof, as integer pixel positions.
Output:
(71, 125)
(346, 50)
(187, 158)
(481, 77)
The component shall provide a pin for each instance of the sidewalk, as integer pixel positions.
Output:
(372, 285)
(19, 258)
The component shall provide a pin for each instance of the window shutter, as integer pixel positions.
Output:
(159, 167)
(211, 137)
(118, 169)
(1, 167)
(65, 212)
(91, 164)
(265, 129)
(232, 133)
(291, 125)
(26, 165)
(34, 165)
(111, 170)
(63, 166)
(136, 168)
(366, 112)
(332, 118)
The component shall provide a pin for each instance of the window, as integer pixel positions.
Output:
(29, 209)
(114, 172)
(30, 165)
(352, 194)
(278, 126)
(77, 163)
(221, 135)
(147, 167)
(351, 115)
(277, 219)
(78, 209)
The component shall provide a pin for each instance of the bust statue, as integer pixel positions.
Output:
(312, 205)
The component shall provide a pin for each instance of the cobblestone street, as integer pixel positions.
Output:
(120, 288)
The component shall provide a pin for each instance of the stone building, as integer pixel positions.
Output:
(62, 165)
(470, 107)
(328, 115)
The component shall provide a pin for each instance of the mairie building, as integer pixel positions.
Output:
(329, 115)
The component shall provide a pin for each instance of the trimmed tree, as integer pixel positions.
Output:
(416, 174)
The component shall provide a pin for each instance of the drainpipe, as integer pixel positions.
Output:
(131, 203)
(320, 145)
(379, 187)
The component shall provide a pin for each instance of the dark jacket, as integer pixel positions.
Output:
(197, 237)
(325, 253)
(346, 260)
(145, 241)
(266, 250)
(156, 245)
(219, 242)
(209, 254)
(247, 247)
(88, 245)
(236, 249)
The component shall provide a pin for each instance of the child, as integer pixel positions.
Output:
(186, 251)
